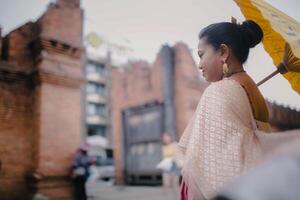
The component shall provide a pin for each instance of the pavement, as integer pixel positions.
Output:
(106, 191)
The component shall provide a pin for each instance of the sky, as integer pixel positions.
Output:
(143, 26)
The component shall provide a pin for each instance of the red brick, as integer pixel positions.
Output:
(40, 108)
(131, 87)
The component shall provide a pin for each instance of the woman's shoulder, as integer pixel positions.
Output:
(225, 87)
(225, 92)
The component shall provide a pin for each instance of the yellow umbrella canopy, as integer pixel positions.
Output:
(281, 38)
(94, 40)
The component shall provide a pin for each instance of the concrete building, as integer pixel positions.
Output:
(97, 97)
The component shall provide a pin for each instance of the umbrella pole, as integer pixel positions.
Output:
(280, 69)
(267, 78)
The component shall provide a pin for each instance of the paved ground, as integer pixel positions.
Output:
(104, 191)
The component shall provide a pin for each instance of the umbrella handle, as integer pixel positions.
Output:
(281, 68)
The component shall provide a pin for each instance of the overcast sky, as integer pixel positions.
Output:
(145, 25)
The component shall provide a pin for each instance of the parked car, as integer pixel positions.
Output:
(102, 157)
(106, 169)
(102, 166)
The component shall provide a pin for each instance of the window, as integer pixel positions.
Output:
(95, 68)
(95, 88)
(96, 130)
(96, 109)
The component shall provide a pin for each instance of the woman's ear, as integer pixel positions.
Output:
(225, 52)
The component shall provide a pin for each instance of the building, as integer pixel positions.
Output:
(97, 97)
(170, 86)
(283, 118)
(41, 76)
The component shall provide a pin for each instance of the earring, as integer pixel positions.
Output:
(200, 67)
(225, 69)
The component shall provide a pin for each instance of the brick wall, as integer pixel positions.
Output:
(59, 137)
(65, 16)
(41, 115)
(141, 82)
(136, 84)
(17, 45)
(59, 129)
(188, 86)
(17, 152)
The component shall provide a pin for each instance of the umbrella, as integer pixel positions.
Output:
(94, 40)
(281, 38)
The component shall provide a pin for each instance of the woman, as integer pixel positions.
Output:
(219, 142)
(170, 175)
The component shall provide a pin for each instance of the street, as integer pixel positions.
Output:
(105, 191)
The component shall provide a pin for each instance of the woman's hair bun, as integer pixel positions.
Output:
(252, 33)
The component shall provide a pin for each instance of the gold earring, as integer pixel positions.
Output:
(225, 69)
(200, 67)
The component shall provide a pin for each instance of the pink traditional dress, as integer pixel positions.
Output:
(220, 141)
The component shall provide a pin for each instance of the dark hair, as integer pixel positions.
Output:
(239, 37)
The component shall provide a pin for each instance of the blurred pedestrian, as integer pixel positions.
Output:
(94, 171)
(168, 165)
(80, 172)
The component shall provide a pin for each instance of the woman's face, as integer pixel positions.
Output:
(167, 138)
(210, 61)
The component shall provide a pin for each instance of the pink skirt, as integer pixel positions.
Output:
(184, 191)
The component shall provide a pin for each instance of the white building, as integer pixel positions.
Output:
(97, 97)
